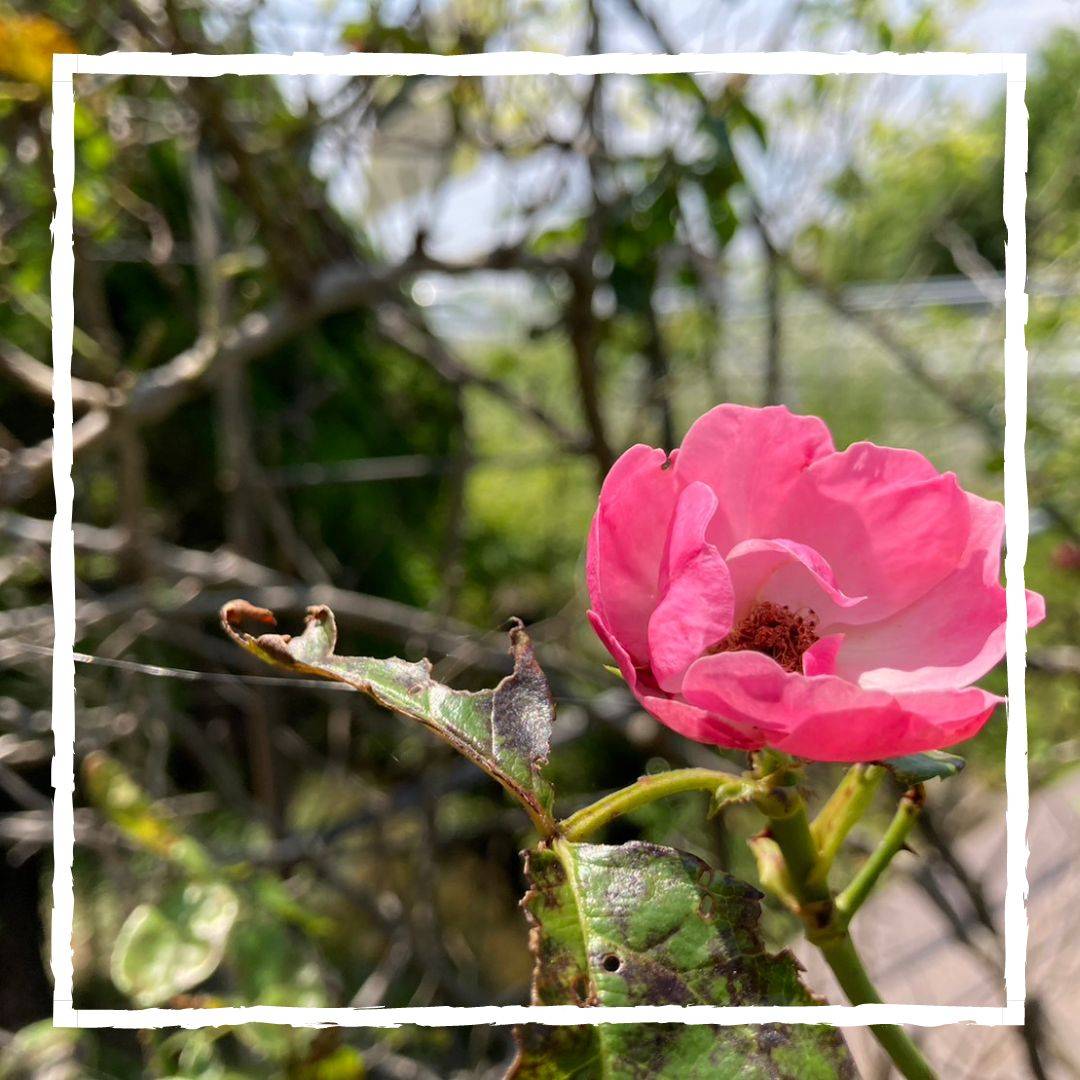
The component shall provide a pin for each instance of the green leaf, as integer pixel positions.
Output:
(112, 790)
(161, 951)
(274, 967)
(640, 924)
(918, 768)
(505, 731)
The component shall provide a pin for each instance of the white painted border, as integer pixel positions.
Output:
(1012, 65)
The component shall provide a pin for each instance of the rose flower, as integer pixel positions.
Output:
(758, 587)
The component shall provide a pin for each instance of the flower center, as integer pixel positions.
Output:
(773, 630)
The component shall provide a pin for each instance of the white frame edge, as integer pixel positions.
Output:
(1012, 65)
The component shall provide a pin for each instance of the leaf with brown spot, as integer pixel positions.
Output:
(641, 924)
(506, 731)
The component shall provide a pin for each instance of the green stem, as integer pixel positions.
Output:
(723, 786)
(845, 807)
(789, 826)
(841, 956)
(851, 899)
(826, 926)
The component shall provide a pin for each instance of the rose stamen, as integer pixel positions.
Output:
(774, 630)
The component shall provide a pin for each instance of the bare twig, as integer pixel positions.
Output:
(870, 321)
(268, 588)
(772, 390)
(37, 378)
(408, 334)
(341, 287)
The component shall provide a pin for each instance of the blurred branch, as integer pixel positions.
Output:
(341, 287)
(656, 356)
(20, 791)
(773, 388)
(945, 848)
(970, 262)
(25, 471)
(582, 325)
(1056, 659)
(373, 989)
(381, 1060)
(451, 567)
(373, 614)
(870, 321)
(711, 271)
(414, 338)
(37, 378)
(370, 470)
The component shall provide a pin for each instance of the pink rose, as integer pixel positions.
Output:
(760, 588)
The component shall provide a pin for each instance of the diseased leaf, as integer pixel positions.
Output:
(505, 731)
(681, 1052)
(918, 768)
(640, 924)
(161, 951)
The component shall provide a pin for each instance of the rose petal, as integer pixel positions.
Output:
(951, 636)
(947, 639)
(685, 719)
(701, 726)
(826, 718)
(626, 544)
(620, 655)
(751, 458)
(787, 573)
(890, 525)
(698, 601)
(986, 534)
(1036, 607)
(820, 658)
(913, 724)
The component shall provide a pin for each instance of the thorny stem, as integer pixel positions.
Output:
(851, 899)
(723, 786)
(826, 922)
(845, 807)
(841, 956)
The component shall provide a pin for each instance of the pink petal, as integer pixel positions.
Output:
(912, 724)
(701, 726)
(751, 458)
(697, 604)
(620, 655)
(889, 524)
(986, 534)
(626, 544)
(951, 636)
(820, 658)
(825, 718)
(948, 638)
(678, 715)
(787, 573)
(1036, 608)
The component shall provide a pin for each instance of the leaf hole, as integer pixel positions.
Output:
(611, 963)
